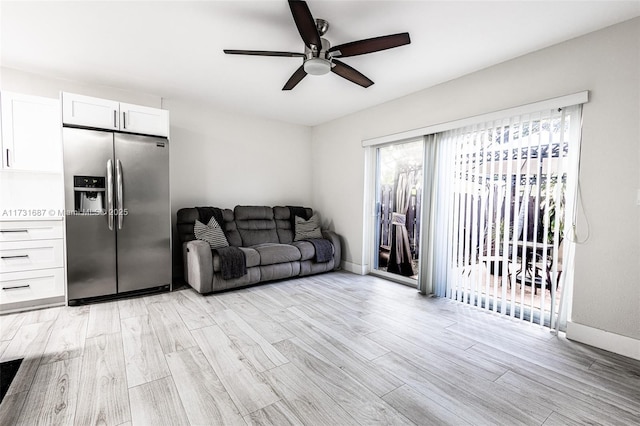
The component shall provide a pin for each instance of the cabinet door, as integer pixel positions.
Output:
(144, 120)
(31, 285)
(31, 255)
(78, 110)
(31, 133)
(29, 230)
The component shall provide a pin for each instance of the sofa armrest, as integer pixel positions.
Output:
(198, 265)
(337, 247)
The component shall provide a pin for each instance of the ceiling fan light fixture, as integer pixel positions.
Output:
(317, 66)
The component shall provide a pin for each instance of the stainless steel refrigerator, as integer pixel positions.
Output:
(118, 220)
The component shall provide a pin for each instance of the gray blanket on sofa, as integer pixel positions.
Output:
(324, 249)
(233, 263)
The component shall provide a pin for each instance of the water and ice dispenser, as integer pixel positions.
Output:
(89, 194)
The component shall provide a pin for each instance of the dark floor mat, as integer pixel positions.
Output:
(8, 371)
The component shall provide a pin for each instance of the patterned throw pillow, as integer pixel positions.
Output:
(211, 233)
(307, 229)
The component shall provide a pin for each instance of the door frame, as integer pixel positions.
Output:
(370, 230)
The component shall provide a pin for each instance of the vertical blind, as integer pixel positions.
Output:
(501, 209)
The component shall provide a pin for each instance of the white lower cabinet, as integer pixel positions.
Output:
(31, 286)
(19, 256)
(31, 264)
(31, 230)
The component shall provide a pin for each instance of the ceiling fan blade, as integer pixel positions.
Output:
(305, 23)
(370, 45)
(295, 78)
(263, 53)
(351, 74)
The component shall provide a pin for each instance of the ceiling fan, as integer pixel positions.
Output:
(319, 57)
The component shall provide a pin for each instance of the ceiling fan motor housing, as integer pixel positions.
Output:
(317, 62)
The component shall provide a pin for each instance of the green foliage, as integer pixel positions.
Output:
(553, 204)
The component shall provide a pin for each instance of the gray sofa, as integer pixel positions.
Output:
(266, 237)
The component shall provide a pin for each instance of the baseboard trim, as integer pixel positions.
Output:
(354, 268)
(602, 339)
(49, 302)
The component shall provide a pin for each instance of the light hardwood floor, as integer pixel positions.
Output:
(332, 349)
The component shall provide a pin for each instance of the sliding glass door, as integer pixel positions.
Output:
(483, 213)
(398, 203)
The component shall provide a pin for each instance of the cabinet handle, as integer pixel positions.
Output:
(124, 120)
(17, 287)
(14, 230)
(15, 257)
(8, 158)
(115, 119)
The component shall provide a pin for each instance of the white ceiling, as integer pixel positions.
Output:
(174, 49)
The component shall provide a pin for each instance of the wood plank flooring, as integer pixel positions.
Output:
(333, 349)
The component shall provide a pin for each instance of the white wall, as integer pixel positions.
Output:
(607, 278)
(225, 160)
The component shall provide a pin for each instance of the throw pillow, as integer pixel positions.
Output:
(307, 229)
(211, 233)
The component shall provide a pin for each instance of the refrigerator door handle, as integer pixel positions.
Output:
(119, 194)
(110, 211)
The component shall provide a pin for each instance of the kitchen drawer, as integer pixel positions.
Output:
(29, 255)
(31, 285)
(30, 230)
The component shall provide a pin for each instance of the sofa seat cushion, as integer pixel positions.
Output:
(272, 253)
(252, 258)
(307, 250)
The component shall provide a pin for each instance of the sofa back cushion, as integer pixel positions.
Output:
(255, 225)
(284, 223)
(230, 229)
(187, 217)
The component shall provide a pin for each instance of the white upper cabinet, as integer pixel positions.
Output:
(90, 112)
(31, 137)
(141, 119)
(85, 111)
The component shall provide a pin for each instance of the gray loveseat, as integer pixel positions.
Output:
(266, 237)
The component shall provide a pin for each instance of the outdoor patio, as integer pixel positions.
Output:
(482, 284)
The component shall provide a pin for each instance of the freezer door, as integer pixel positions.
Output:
(91, 245)
(144, 221)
